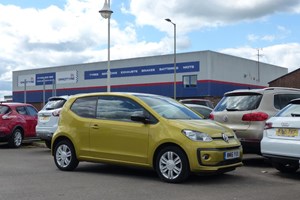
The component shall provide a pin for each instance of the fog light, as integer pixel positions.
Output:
(205, 157)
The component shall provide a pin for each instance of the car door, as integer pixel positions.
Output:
(28, 121)
(31, 119)
(113, 136)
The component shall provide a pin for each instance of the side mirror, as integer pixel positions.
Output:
(140, 118)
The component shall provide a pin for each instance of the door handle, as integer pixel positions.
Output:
(95, 126)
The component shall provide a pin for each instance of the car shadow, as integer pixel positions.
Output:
(149, 174)
(253, 160)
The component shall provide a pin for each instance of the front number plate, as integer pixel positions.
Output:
(231, 155)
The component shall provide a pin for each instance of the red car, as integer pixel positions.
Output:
(17, 122)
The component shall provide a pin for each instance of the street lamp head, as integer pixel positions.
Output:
(168, 20)
(106, 11)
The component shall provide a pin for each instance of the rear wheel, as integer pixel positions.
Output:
(172, 165)
(65, 156)
(16, 139)
(286, 167)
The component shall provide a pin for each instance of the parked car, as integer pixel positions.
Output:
(203, 102)
(246, 111)
(17, 122)
(281, 140)
(202, 110)
(48, 118)
(142, 130)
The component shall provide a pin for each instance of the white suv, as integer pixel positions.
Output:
(281, 141)
(48, 118)
(246, 111)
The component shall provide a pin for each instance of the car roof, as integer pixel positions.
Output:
(118, 94)
(13, 104)
(194, 99)
(66, 97)
(262, 90)
(295, 101)
(197, 105)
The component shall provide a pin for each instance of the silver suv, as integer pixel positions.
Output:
(246, 111)
(48, 118)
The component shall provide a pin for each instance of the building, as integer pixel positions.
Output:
(198, 74)
(291, 80)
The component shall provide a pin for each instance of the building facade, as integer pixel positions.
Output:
(291, 80)
(198, 74)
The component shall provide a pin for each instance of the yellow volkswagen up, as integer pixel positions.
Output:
(143, 130)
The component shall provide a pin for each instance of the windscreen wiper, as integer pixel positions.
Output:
(295, 114)
(232, 109)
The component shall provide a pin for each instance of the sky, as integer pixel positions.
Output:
(44, 33)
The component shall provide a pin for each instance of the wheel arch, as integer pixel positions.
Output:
(164, 145)
(19, 127)
(57, 140)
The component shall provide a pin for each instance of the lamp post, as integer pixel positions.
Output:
(106, 13)
(168, 20)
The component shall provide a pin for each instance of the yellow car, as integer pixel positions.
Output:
(143, 130)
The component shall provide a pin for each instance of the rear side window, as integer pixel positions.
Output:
(85, 107)
(239, 102)
(281, 100)
(54, 104)
(4, 110)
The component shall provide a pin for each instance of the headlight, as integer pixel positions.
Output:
(197, 136)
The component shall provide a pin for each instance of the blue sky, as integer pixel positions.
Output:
(36, 34)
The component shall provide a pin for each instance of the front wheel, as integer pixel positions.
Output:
(286, 167)
(16, 139)
(172, 165)
(65, 156)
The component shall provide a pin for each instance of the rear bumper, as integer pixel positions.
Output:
(280, 148)
(44, 135)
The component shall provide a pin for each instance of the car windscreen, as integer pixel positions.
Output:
(239, 102)
(54, 104)
(291, 110)
(4, 109)
(169, 108)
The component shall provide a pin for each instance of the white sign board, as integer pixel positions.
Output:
(66, 77)
(29, 79)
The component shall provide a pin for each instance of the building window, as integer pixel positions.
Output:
(190, 81)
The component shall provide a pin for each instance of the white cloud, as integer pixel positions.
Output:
(76, 33)
(284, 55)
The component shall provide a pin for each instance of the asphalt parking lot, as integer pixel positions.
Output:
(30, 173)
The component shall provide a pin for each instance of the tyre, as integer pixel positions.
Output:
(65, 156)
(286, 167)
(172, 165)
(48, 144)
(16, 139)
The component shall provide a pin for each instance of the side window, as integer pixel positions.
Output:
(281, 100)
(85, 107)
(4, 110)
(31, 111)
(21, 110)
(190, 81)
(117, 108)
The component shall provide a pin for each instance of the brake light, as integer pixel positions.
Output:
(268, 125)
(211, 116)
(256, 116)
(56, 113)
